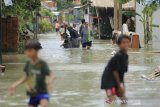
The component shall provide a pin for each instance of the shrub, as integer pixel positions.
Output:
(45, 26)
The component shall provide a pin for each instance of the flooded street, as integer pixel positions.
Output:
(78, 75)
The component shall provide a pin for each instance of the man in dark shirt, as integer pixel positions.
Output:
(113, 76)
(82, 26)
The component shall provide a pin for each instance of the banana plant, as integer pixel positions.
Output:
(147, 20)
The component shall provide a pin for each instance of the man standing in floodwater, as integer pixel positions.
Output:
(57, 26)
(82, 26)
(86, 34)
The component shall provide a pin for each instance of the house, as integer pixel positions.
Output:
(104, 15)
(110, 4)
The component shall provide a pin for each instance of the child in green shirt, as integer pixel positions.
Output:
(36, 73)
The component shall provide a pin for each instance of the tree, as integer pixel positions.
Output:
(23, 9)
(83, 1)
(62, 4)
(125, 1)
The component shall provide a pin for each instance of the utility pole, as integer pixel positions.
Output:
(0, 32)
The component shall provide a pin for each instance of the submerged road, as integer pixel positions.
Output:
(78, 75)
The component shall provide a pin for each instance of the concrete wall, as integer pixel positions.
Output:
(139, 25)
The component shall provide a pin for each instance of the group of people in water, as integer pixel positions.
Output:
(74, 35)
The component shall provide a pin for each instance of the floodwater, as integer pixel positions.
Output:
(78, 75)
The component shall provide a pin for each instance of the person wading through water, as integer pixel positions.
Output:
(37, 76)
(86, 34)
(113, 76)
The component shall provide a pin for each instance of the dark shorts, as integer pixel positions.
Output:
(57, 30)
(84, 45)
(35, 101)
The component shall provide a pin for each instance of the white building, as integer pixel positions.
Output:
(139, 25)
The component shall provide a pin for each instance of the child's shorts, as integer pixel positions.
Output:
(35, 100)
(113, 91)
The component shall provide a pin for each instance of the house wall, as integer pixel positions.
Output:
(139, 26)
(10, 34)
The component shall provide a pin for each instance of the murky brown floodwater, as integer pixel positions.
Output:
(78, 76)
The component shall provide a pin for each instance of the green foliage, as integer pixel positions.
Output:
(23, 9)
(45, 26)
(21, 5)
(62, 4)
(125, 1)
(154, 25)
(151, 8)
(84, 1)
(147, 20)
(122, 1)
(141, 1)
(93, 10)
(21, 47)
(129, 13)
(70, 17)
(46, 12)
